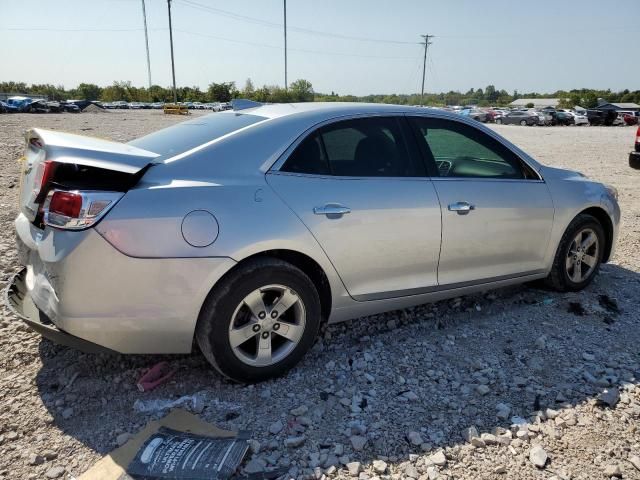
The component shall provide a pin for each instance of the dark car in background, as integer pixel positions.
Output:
(561, 118)
(634, 157)
(518, 118)
(601, 117)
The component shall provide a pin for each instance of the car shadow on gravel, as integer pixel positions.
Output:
(406, 382)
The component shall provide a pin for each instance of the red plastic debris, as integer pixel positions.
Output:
(154, 376)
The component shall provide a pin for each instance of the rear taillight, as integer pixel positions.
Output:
(638, 137)
(77, 210)
(68, 204)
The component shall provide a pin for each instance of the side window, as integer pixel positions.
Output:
(308, 157)
(367, 147)
(460, 150)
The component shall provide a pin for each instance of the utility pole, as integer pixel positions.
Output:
(424, 64)
(286, 84)
(146, 41)
(173, 67)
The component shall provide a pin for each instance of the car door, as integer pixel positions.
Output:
(362, 191)
(497, 212)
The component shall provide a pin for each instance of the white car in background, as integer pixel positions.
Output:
(579, 117)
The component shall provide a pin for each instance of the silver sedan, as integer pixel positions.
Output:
(247, 230)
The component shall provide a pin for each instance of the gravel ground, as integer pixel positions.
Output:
(507, 384)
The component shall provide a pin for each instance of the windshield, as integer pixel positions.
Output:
(193, 133)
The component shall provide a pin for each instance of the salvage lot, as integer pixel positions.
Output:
(389, 391)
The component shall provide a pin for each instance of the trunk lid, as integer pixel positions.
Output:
(54, 157)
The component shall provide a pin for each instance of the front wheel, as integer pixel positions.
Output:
(578, 256)
(523, 122)
(260, 321)
(499, 121)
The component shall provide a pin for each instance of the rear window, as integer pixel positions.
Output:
(193, 133)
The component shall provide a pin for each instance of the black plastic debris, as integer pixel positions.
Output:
(609, 304)
(577, 309)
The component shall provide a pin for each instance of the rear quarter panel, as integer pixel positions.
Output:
(146, 223)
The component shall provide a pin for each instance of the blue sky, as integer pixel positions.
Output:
(535, 45)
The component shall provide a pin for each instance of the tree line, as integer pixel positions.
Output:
(302, 91)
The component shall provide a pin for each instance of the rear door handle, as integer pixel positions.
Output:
(333, 209)
(461, 208)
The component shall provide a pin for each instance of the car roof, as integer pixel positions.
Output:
(275, 110)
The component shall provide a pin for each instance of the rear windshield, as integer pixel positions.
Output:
(193, 133)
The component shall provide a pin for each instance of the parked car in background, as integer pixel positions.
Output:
(518, 117)
(19, 103)
(631, 118)
(601, 117)
(579, 118)
(71, 107)
(634, 157)
(544, 118)
(9, 108)
(283, 232)
(475, 114)
(560, 117)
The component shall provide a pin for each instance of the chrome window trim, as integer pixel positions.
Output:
(345, 177)
(487, 179)
(284, 156)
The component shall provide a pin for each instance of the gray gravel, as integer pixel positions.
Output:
(507, 384)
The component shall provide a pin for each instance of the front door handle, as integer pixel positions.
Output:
(332, 210)
(461, 208)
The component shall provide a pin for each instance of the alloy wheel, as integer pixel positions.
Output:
(583, 254)
(267, 325)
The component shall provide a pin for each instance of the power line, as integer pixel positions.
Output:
(266, 23)
(300, 50)
(54, 29)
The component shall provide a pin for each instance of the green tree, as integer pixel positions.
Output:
(87, 91)
(301, 91)
(222, 92)
(491, 94)
(249, 89)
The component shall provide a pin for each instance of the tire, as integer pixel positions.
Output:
(523, 122)
(560, 277)
(634, 160)
(499, 121)
(226, 305)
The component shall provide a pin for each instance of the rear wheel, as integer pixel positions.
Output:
(578, 256)
(499, 121)
(523, 122)
(260, 321)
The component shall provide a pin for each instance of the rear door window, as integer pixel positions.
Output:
(364, 147)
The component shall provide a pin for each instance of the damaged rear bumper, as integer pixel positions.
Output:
(19, 302)
(89, 290)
